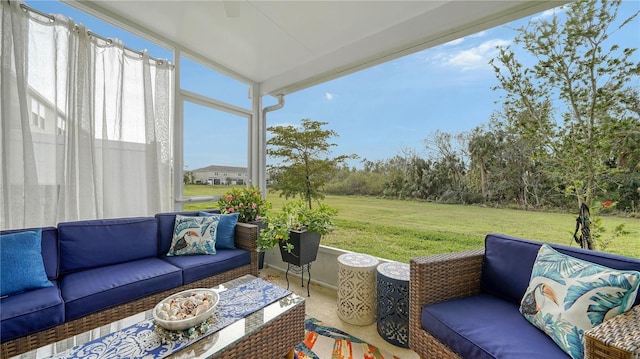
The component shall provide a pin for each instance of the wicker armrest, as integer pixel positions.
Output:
(247, 238)
(618, 337)
(445, 276)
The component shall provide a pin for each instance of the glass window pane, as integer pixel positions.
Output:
(205, 81)
(215, 150)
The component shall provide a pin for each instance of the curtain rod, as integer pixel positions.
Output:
(89, 32)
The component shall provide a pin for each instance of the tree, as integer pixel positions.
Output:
(395, 168)
(483, 146)
(506, 165)
(578, 74)
(189, 177)
(305, 163)
(448, 170)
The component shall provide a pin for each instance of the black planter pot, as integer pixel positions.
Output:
(305, 248)
(261, 225)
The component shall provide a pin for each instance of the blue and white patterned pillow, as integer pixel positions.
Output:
(567, 296)
(225, 237)
(194, 235)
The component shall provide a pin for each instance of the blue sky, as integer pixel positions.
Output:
(377, 112)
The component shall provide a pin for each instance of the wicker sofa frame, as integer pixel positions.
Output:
(245, 237)
(448, 276)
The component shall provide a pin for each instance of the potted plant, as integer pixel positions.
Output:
(247, 202)
(250, 206)
(297, 230)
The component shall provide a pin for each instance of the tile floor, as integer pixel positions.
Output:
(322, 305)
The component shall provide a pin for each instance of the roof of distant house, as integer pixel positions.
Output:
(214, 168)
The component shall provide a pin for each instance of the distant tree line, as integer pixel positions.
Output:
(488, 165)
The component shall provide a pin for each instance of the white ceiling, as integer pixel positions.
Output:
(286, 46)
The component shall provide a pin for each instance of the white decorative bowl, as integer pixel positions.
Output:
(188, 322)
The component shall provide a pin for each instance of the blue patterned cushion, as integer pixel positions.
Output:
(21, 265)
(225, 237)
(193, 235)
(567, 296)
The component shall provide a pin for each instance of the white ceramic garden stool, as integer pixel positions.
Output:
(357, 288)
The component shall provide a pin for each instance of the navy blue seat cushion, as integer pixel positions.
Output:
(196, 267)
(484, 326)
(48, 248)
(30, 312)
(508, 261)
(166, 222)
(103, 242)
(93, 290)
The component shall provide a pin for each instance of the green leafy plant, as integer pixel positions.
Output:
(598, 230)
(247, 202)
(304, 163)
(295, 216)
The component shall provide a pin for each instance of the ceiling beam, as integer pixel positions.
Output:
(296, 79)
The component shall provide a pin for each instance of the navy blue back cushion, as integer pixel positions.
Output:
(507, 264)
(102, 242)
(166, 222)
(48, 248)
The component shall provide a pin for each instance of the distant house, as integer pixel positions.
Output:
(221, 175)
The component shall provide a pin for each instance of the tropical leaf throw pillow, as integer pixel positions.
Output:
(567, 296)
(194, 235)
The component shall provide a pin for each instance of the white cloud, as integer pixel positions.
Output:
(479, 34)
(549, 13)
(462, 39)
(329, 96)
(475, 57)
(454, 42)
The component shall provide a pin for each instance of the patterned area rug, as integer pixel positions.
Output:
(324, 342)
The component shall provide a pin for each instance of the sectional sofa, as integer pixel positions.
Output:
(468, 304)
(105, 270)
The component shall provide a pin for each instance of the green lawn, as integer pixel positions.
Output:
(401, 230)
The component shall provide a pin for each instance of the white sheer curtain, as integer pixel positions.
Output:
(85, 125)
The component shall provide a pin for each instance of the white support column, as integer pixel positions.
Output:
(257, 141)
(178, 137)
(262, 150)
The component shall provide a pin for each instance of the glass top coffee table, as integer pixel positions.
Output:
(270, 332)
